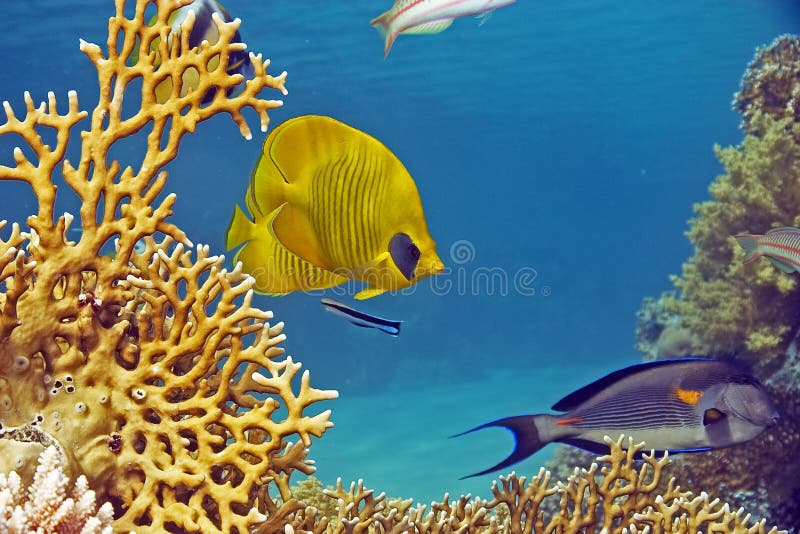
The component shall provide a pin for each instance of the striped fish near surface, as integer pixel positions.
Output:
(681, 405)
(360, 318)
(781, 246)
(331, 204)
(428, 16)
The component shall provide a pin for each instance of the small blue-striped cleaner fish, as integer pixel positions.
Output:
(781, 246)
(362, 319)
(428, 16)
(681, 405)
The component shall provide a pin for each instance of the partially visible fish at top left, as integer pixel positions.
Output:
(204, 29)
(428, 16)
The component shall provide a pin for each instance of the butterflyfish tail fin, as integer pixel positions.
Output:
(240, 229)
(526, 440)
(750, 245)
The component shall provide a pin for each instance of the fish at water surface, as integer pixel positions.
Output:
(680, 405)
(428, 16)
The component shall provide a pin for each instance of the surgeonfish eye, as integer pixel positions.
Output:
(749, 402)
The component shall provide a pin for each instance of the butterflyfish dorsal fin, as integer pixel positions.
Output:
(276, 269)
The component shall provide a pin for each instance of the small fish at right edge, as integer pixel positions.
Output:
(781, 246)
(680, 405)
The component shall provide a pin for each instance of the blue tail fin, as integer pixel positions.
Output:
(526, 440)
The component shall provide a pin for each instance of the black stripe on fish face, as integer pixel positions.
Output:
(405, 254)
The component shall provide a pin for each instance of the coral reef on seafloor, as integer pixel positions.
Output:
(150, 371)
(47, 504)
(616, 494)
(726, 308)
(152, 379)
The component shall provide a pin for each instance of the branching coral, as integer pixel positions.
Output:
(151, 370)
(621, 495)
(748, 310)
(47, 504)
(771, 83)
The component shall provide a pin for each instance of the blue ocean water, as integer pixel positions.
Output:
(558, 148)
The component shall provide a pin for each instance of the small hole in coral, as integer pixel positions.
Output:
(139, 444)
(70, 389)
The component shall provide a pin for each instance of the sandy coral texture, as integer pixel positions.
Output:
(150, 371)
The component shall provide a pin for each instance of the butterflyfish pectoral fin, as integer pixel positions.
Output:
(278, 270)
(294, 230)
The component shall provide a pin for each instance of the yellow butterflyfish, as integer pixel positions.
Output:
(204, 29)
(330, 203)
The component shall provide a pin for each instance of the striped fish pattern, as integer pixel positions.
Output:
(428, 16)
(331, 204)
(781, 246)
(681, 405)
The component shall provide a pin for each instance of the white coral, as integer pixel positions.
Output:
(47, 505)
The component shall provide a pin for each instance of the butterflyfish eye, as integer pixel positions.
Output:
(712, 415)
(405, 254)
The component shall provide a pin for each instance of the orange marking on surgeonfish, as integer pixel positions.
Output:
(563, 422)
(689, 396)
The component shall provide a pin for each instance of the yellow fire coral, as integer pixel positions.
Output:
(622, 495)
(151, 371)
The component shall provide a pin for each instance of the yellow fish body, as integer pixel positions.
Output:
(204, 29)
(331, 204)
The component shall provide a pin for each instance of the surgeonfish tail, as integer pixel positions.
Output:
(379, 24)
(750, 245)
(240, 229)
(526, 440)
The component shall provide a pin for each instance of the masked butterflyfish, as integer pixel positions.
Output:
(329, 204)
(204, 29)
(681, 405)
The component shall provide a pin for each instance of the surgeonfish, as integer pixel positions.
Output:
(428, 16)
(781, 246)
(331, 204)
(204, 29)
(680, 405)
(362, 319)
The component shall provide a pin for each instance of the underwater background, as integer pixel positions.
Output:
(558, 149)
